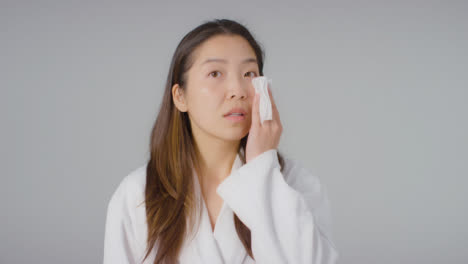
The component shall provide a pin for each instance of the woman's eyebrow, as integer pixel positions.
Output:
(248, 60)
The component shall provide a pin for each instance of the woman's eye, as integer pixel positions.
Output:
(213, 72)
(254, 74)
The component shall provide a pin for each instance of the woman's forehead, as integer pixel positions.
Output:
(224, 50)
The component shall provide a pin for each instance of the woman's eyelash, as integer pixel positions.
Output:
(255, 74)
(212, 72)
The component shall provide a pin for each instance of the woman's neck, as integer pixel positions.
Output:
(216, 158)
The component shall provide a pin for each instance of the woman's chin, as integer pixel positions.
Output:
(234, 134)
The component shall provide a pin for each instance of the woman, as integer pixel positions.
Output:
(215, 189)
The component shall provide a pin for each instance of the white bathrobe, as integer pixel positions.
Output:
(288, 214)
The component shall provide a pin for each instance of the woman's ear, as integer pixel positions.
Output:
(178, 96)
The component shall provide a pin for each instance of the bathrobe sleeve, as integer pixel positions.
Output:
(289, 221)
(119, 240)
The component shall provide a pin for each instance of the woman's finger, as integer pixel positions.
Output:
(275, 113)
(256, 110)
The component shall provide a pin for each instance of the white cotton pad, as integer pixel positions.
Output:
(261, 84)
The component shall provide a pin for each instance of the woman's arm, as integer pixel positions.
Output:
(119, 238)
(288, 224)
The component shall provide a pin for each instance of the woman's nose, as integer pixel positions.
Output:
(239, 88)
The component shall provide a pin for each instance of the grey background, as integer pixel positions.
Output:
(372, 96)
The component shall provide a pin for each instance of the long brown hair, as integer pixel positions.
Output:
(169, 194)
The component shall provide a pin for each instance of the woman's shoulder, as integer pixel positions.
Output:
(304, 180)
(131, 187)
(126, 216)
(136, 179)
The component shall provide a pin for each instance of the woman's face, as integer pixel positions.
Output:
(219, 80)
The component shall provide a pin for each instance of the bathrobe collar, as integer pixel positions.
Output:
(223, 244)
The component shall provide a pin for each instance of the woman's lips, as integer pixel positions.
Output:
(235, 118)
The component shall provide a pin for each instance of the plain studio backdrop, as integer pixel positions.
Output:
(372, 97)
